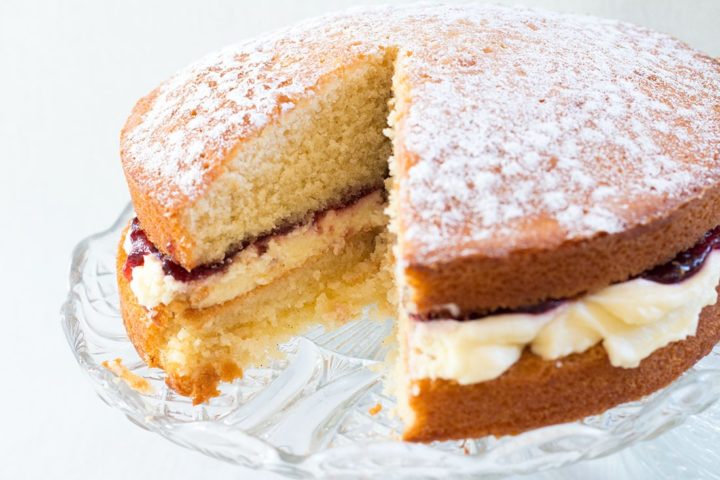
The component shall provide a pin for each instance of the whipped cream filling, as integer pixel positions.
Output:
(258, 265)
(631, 319)
(151, 285)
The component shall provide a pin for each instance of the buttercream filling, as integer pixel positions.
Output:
(631, 320)
(256, 264)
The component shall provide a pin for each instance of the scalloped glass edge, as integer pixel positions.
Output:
(307, 414)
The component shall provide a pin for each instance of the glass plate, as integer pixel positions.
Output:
(309, 414)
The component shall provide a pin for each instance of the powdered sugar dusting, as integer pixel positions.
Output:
(540, 128)
(526, 128)
(198, 116)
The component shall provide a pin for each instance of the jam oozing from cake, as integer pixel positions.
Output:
(141, 244)
(139, 247)
(685, 264)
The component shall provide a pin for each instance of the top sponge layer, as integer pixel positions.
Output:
(518, 133)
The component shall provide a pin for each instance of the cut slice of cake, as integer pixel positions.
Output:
(553, 185)
(247, 243)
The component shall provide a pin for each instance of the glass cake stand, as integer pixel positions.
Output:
(309, 414)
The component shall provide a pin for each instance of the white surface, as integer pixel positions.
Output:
(69, 74)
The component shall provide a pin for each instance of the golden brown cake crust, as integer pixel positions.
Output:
(480, 284)
(137, 322)
(535, 393)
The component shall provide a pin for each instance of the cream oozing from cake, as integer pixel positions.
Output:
(258, 265)
(631, 319)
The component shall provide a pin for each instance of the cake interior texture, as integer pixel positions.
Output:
(327, 150)
(198, 348)
(328, 147)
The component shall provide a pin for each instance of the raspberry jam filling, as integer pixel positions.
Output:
(685, 264)
(140, 244)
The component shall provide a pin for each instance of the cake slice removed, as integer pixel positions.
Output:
(256, 241)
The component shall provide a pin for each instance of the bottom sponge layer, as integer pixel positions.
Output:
(199, 348)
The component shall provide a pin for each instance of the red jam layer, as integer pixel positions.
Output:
(140, 244)
(685, 264)
(445, 314)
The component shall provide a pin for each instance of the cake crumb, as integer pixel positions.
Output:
(133, 381)
(374, 410)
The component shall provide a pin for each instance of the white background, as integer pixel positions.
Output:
(69, 74)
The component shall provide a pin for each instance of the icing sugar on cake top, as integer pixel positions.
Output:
(522, 128)
(557, 121)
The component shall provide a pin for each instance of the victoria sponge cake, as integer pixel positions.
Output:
(534, 196)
